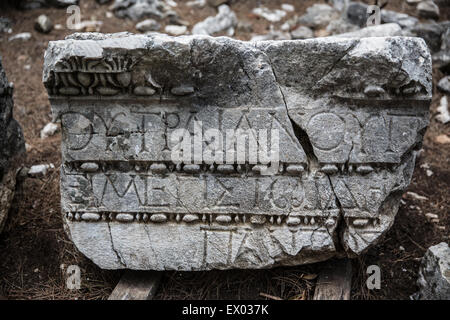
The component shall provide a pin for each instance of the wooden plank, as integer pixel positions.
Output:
(136, 285)
(335, 281)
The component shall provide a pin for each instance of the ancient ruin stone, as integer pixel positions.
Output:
(434, 274)
(350, 115)
(11, 145)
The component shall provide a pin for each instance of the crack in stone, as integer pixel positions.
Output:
(301, 135)
(119, 257)
(313, 162)
(341, 224)
(352, 46)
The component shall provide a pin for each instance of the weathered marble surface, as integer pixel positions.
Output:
(351, 114)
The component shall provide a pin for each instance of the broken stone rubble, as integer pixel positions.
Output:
(224, 21)
(140, 9)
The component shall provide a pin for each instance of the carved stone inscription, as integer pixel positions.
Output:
(346, 117)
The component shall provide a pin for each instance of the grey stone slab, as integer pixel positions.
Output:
(12, 146)
(349, 115)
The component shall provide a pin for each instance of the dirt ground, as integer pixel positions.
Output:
(34, 250)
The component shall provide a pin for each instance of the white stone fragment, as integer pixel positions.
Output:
(275, 15)
(24, 36)
(196, 3)
(40, 169)
(49, 130)
(443, 112)
(224, 21)
(148, 25)
(288, 7)
(416, 196)
(175, 30)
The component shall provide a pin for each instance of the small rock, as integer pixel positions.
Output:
(43, 24)
(357, 13)
(401, 248)
(285, 27)
(58, 26)
(443, 113)
(40, 170)
(288, 7)
(430, 32)
(224, 21)
(270, 15)
(196, 3)
(139, 9)
(290, 24)
(89, 167)
(434, 274)
(402, 19)
(24, 36)
(49, 130)
(5, 25)
(340, 26)
(444, 84)
(445, 46)
(171, 3)
(431, 216)
(302, 32)
(416, 196)
(175, 30)
(442, 139)
(426, 167)
(148, 25)
(441, 60)
(428, 9)
(318, 15)
(382, 30)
